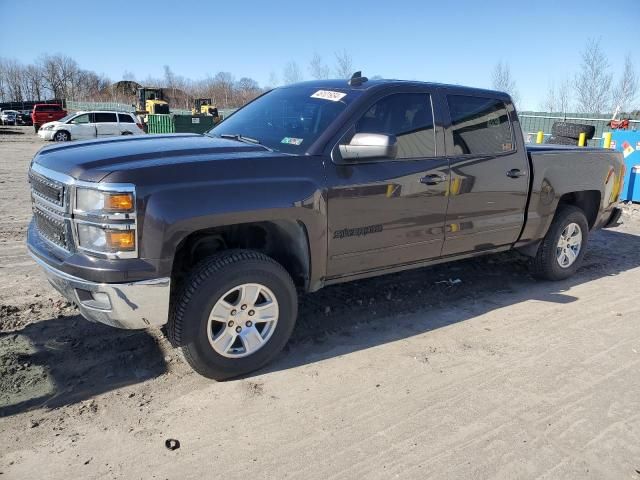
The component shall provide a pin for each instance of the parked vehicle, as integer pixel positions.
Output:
(24, 118)
(46, 112)
(87, 125)
(309, 185)
(8, 117)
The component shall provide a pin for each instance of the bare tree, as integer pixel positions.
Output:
(128, 75)
(223, 89)
(502, 80)
(317, 68)
(558, 98)
(593, 83)
(564, 96)
(344, 64)
(624, 93)
(291, 73)
(273, 81)
(246, 90)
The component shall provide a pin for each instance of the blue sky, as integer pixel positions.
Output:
(452, 42)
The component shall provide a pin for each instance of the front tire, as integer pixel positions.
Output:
(561, 252)
(61, 136)
(234, 314)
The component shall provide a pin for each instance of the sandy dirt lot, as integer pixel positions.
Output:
(404, 376)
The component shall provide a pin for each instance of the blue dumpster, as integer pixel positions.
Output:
(628, 142)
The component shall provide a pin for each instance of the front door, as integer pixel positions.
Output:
(390, 212)
(489, 176)
(81, 127)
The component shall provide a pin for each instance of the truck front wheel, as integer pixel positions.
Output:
(563, 247)
(234, 314)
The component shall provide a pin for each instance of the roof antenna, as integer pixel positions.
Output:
(357, 79)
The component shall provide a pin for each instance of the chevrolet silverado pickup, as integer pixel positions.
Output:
(212, 236)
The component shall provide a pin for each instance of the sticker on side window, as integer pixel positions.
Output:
(291, 141)
(329, 95)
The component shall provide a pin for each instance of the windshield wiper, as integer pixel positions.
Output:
(241, 138)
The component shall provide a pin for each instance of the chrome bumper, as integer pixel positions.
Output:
(123, 305)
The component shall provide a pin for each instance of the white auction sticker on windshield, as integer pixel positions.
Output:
(291, 141)
(329, 95)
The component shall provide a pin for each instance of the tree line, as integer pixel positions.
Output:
(59, 76)
(591, 90)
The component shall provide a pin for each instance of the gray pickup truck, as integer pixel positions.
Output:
(317, 183)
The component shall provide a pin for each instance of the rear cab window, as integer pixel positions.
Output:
(47, 108)
(479, 126)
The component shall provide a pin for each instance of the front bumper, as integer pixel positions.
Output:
(124, 305)
(46, 134)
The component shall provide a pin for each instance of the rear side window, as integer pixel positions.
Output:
(104, 117)
(480, 126)
(125, 118)
(409, 117)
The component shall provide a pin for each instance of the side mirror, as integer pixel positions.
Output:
(370, 145)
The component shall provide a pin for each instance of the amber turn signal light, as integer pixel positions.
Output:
(119, 202)
(120, 240)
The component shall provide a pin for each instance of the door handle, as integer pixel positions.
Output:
(515, 173)
(433, 179)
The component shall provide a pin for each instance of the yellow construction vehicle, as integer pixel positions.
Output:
(204, 106)
(151, 102)
(201, 106)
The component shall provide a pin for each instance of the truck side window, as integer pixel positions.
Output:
(480, 126)
(409, 117)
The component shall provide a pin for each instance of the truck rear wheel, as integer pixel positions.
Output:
(563, 247)
(235, 313)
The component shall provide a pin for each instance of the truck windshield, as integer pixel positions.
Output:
(287, 119)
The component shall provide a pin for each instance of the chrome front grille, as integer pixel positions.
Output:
(47, 189)
(51, 209)
(51, 228)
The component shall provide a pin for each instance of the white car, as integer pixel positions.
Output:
(9, 117)
(87, 125)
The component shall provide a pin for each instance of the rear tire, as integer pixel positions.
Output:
(548, 262)
(572, 130)
(196, 324)
(36, 127)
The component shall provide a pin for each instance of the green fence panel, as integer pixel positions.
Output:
(160, 124)
(533, 122)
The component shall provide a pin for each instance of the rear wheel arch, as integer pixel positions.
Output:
(586, 200)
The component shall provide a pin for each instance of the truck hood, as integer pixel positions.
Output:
(93, 160)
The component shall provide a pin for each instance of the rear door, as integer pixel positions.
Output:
(489, 175)
(390, 212)
(106, 124)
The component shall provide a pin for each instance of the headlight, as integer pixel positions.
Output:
(105, 219)
(107, 240)
(47, 127)
(89, 200)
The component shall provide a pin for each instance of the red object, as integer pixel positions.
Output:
(619, 124)
(46, 112)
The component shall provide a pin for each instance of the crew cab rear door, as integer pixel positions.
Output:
(388, 212)
(489, 174)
